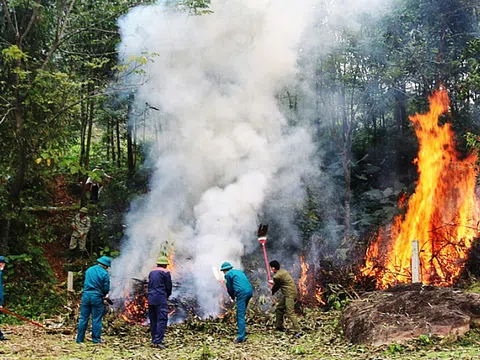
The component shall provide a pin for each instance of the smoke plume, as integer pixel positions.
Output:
(224, 152)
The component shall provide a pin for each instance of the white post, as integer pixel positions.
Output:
(415, 262)
(70, 281)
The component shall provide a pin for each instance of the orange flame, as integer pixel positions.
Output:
(309, 293)
(442, 214)
(135, 309)
(318, 296)
(303, 281)
(171, 256)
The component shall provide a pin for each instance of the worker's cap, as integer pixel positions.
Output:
(84, 210)
(162, 260)
(105, 260)
(2, 259)
(226, 266)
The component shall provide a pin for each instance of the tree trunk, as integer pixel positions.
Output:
(346, 163)
(108, 140)
(400, 116)
(21, 166)
(130, 149)
(118, 142)
(83, 116)
(83, 131)
(87, 150)
(112, 142)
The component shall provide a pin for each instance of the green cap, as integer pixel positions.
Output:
(162, 260)
(84, 210)
(226, 266)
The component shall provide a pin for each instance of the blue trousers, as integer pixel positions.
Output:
(158, 315)
(242, 303)
(92, 304)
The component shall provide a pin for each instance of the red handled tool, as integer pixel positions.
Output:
(262, 239)
(20, 317)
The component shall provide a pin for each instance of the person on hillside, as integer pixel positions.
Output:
(159, 290)
(238, 288)
(81, 226)
(95, 185)
(95, 289)
(284, 282)
(3, 261)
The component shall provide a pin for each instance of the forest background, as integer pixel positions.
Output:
(62, 113)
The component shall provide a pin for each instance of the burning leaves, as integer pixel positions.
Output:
(136, 309)
(442, 213)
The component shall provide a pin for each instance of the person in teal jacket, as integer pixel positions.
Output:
(3, 261)
(238, 288)
(95, 288)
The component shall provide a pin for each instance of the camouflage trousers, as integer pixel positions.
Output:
(78, 239)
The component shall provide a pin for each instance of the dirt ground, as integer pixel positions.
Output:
(212, 339)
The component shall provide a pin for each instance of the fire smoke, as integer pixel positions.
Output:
(224, 148)
(226, 154)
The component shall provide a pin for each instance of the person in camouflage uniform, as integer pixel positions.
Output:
(283, 281)
(81, 227)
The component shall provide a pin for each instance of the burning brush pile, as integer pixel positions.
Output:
(428, 245)
(133, 308)
(442, 215)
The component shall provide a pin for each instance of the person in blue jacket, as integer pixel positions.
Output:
(238, 288)
(95, 288)
(159, 290)
(3, 261)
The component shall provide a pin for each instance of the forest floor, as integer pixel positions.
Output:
(212, 339)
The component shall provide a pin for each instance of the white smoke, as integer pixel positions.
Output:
(225, 151)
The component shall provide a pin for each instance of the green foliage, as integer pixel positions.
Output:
(106, 251)
(196, 7)
(205, 352)
(13, 53)
(30, 285)
(395, 348)
(338, 298)
(425, 340)
(298, 350)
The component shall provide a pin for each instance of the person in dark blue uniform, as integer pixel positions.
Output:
(95, 288)
(3, 261)
(238, 288)
(159, 290)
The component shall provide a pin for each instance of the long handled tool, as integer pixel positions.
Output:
(2, 309)
(262, 239)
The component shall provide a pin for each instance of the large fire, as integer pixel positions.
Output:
(442, 214)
